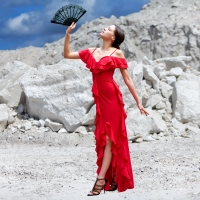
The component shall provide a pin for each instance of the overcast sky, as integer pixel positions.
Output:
(27, 22)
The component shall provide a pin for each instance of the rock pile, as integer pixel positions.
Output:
(58, 98)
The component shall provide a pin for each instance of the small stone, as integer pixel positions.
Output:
(81, 129)
(13, 130)
(42, 122)
(27, 125)
(62, 130)
(139, 140)
(185, 136)
(54, 126)
(19, 126)
(13, 113)
(11, 119)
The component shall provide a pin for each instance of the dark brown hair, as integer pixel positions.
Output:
(119, 37)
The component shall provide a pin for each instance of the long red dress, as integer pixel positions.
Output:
(110, 118)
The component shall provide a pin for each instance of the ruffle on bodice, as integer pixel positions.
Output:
(105, 63)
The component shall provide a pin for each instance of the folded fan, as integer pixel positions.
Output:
(68, 14)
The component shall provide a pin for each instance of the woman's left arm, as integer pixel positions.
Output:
(129, 82)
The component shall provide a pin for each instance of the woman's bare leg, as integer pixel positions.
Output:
(106, 158)
(106, 161)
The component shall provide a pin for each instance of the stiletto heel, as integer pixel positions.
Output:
(113, 184)
(96, 190)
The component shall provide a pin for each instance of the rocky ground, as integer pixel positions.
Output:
(167, 168)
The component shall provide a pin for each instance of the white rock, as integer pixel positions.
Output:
(3, 116)
(27, 125)
(13, 113)
(11, 119)
(177, 71)
(139, 140)
(171, 80)
(62, 130)
(19, 126)
(42, 122)
(13, 129)
(10, 91)
(161, 112)
(144, 125)
(153, 100)
(60, 92)
(168, 107)
(186, 98)
(177, 125)
(149, 75)
(166, 89)
(81, 129)
(167, 117)
(90, 116)
(173, 62)
(54, 126)
(159, 69)
(160, 105)
(193, 129)
(147, 84)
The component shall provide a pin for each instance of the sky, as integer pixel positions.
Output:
(27, 22)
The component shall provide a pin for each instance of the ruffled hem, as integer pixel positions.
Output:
(104, 63)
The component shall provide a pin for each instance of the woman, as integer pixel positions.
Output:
(113, 157)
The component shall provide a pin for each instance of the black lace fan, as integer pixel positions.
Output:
(68, 14)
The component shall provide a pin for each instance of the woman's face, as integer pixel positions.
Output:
(108, 33)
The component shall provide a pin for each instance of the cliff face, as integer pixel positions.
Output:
(163, 28)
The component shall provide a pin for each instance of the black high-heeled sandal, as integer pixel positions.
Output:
(96, 190)
(113, 184)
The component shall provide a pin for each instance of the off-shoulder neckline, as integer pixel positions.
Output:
(104, 57)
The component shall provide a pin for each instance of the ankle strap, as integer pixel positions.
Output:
(100, 178)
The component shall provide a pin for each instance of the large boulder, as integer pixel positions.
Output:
(61, 93)
(10, 91)
(143, 125)
(186, 98)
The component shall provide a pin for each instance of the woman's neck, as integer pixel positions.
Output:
(106, 46)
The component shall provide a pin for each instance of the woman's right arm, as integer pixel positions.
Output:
(67, 52)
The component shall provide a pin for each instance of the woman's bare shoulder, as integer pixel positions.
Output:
(119, 53)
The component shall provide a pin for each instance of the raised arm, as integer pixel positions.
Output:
(67, 52)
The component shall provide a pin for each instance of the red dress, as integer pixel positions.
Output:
(110, 118)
